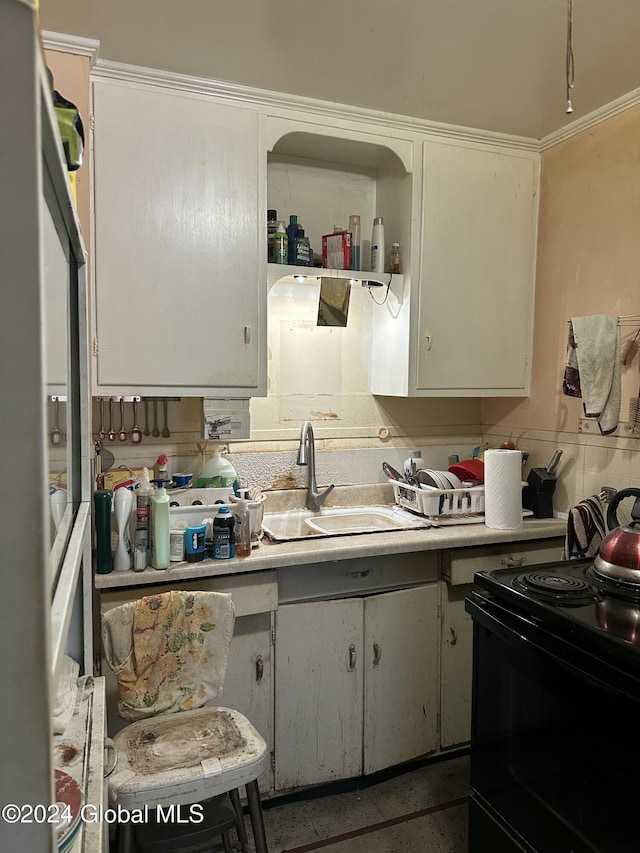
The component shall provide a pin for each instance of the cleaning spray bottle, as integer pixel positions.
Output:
(218, 472)
(160, 530)
(122, 506)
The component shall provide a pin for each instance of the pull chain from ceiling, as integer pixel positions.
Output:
(570, 69)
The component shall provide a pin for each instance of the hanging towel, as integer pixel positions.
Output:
(585, 529)
(593, 368)
(168, 652)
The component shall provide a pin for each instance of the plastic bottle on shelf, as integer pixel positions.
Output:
(280, 245)
(102, 504)
(242, 528)
(354, 227)
(143, 513)
(122, 506)
(160, 531)
(161, 467)
(272, 225)
(302, 249)
(377, 245)
(292, 233)
(218, 473)
(414, 462)
(224, 542)
(394, 259)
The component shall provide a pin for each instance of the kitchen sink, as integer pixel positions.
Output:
(337, 521)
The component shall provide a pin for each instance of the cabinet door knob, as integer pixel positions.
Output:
(427, 342)
(247, 335)
(377, 654)
(363, 574)
(259, 669)
(352, 658)
(512, 562)
(454, 635)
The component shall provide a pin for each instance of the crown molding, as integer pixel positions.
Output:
(107, 69)
(620, 105)
(71, 44)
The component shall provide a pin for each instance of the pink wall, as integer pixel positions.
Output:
(588, 263)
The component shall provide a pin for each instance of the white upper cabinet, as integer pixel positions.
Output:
(477, 270)
(465, 328)
(180, 249)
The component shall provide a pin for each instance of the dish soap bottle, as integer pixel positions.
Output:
(160, 532)
(218, 473)
(413, 463)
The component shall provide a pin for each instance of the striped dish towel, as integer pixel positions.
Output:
(585, 529)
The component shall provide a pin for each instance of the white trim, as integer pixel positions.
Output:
(613, 108)
(66, 587)
(78, 45)
(106, 69)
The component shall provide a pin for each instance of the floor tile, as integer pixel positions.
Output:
(322, 822)
(442, 832)
(436, 783)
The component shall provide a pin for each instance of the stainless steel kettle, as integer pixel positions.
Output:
(619, 554)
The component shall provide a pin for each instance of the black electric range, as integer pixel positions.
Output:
(573, 600)
(556, 704)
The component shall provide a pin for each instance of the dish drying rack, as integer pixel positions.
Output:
(442, 506)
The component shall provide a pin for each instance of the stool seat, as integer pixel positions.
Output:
(185, 757)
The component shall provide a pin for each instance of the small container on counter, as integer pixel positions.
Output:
(194, 542)
(176, 544)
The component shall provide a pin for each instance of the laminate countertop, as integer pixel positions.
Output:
(301, 552)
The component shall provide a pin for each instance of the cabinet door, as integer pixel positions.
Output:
(180, 287)
(477, 270)
(457, 666)
(248, 682)
(402, 652)
(318, 692)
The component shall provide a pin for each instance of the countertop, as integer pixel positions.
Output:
(273, 555)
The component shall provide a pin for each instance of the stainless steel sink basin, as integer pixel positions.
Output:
(337, 521)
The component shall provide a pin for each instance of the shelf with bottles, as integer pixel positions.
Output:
(285, 274)
(284, 279)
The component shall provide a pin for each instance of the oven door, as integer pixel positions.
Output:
(555, 755)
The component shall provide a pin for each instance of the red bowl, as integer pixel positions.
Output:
(469, 469)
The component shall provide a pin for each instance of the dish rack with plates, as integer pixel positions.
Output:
(442, 506)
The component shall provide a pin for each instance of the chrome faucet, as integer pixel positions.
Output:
(307, 456)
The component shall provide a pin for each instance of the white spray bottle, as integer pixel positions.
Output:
(122, 506)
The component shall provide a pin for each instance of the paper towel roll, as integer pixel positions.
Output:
(503, 489)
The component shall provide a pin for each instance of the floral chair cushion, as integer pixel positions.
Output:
(168, 652)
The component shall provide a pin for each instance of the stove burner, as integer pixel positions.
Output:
(555, 587)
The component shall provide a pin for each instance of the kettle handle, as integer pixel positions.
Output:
(612, 514)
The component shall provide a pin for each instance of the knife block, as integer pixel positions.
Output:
(537, 495)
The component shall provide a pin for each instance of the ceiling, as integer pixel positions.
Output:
(492, 64)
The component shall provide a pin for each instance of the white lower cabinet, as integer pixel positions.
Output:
(356, 685)
(458, 569)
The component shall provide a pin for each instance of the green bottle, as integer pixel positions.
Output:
(102, 505)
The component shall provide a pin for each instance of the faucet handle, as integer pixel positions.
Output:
(321, 497)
